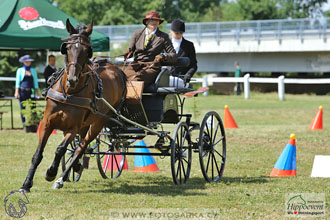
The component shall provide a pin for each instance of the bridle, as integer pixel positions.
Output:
(77, 40)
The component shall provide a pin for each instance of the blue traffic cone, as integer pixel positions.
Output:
(286, 164)
(144, 163)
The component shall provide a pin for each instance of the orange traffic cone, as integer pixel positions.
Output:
(53, 132)
(229, 120)
(286, 164)
(317, 121)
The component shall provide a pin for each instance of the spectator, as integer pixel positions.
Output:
(50, 68)
(26, 86)
(238, 74)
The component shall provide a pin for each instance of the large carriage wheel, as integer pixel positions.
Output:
(110, 166)
(212, 147)
(181, 154)
(67, 157)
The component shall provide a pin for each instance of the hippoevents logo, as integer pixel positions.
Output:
(305, 204)
(15, 204)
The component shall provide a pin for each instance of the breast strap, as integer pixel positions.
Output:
(70, 99)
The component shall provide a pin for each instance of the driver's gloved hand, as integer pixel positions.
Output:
(158, 60)
(186, 79)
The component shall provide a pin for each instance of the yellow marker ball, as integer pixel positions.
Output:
(320, 107)
(226, 106)
(292, 136)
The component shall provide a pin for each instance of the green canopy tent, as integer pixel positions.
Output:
(38, 25)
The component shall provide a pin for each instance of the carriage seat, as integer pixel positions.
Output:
(161, 85)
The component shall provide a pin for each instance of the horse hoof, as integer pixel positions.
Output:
(21, 190)
(58, 183)
(49, 178)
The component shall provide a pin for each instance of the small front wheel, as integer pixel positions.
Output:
(212, 147)
(67, 157)
(181, 154)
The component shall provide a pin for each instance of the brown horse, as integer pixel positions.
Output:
(72, 105)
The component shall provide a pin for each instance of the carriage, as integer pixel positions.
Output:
(93, 99)
(160, 104)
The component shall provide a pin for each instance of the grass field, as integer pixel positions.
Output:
(245, 191)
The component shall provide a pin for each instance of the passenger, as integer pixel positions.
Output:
(147, 45)
(183, 48)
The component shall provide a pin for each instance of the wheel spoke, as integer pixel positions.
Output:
(215, 133)
(219, 140)
(181, 135)
(219, 154)
(184, 172)
(116, 162)
(180, 170)
(183, 139)
(177, 171)
(212, 166)
(211, 135)
(185, 160)
(216, 164)
(207, 129)
(208, 161)
(111, 161)
(106, 164)
(66, 162)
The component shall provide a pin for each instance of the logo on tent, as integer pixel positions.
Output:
(30, 15)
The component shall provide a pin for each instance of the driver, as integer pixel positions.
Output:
(146, 45)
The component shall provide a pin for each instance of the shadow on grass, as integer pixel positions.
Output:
(163, 186)
(247, 180)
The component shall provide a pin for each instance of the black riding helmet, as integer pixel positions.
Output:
(178, 26)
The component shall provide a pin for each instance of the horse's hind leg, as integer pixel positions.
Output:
(91, 135)
(37, 157)
(60, 151)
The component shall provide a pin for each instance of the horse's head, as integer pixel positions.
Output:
(78, 50)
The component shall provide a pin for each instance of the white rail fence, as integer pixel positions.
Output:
(246, 80)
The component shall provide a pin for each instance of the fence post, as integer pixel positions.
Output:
(205, 84)
(247, 86)
(281, 88)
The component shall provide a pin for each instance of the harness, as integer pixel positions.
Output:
(73, 99)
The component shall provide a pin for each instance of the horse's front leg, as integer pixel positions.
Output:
(93, 131)
(44, 133)
(60, 151)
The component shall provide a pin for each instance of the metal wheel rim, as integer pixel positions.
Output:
(181, 154)
(212, 147)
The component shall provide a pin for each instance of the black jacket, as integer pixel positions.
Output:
(187, 49)
(47, 73)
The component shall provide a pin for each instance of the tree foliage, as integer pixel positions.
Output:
(132, 12)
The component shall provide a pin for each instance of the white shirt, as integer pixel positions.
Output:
(147, 33)
(176, 44)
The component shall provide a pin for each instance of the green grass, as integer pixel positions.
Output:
(245, 190)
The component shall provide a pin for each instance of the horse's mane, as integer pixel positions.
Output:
(81, 29)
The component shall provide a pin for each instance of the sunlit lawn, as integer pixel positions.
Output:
(245, 191)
